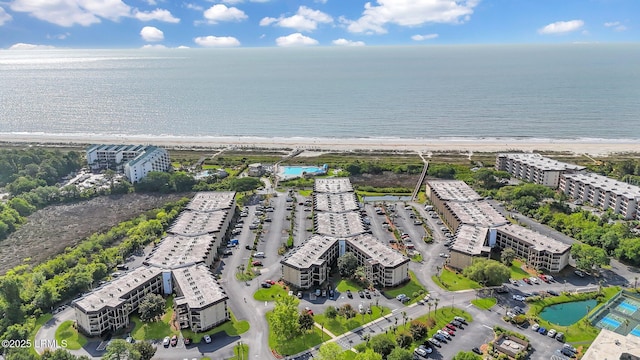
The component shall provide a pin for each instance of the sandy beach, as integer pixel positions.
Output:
(594, 147)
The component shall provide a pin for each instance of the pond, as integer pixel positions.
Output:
(567, 313)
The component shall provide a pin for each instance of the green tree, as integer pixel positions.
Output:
(419, 328)
(400, 354)
(58, 354)
(305, 322)
(119, 349)
(181, 181)
(404, 339)
(284, 318)
(145, 349)
(245, 184)
(331, 312)
(588, 257)
(347, 264)
(442, 171)
(488, 272)
(507, 256)
(369, 355)
(329, 351)
(466, 355)
(382, 345)
(151, 307)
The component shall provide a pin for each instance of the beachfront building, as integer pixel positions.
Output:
(611, 345)
(535, 168)
(478, 227)
(200, 302)
(339, 229)
(178, 264)
(108, 307)
(603, 192)
(135, 161)
(255, 170)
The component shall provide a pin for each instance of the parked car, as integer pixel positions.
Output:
(535, 327)
(445, 334)
(318, 292)
(400, 297)
(579, 273)
(265, 285)
(457, 324)
(300, 295)
(440, 338)
(448, 331)
(434, 342)
(451, 327)
(270, 282)
(187, 341)
(560, 336)
(421, 352)
(256, 263)
(349, 294)
(324, 293)
(207, 339)
(518, 297)
(552, 333)
(513, 282)
(367, 294)
(534, 280)
(542, 331)
(174, 340)
(527, 280)
(477, 351)
(361, 293)
(166, 341)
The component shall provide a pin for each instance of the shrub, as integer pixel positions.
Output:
(331, 312)
(418, 329)
(404, 339)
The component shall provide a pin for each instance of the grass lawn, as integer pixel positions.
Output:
(66, 332)
(454, 282)
(38, 324)
(417, 257)
(413, 286)
(240, 352)
(270, 294)
(517, 272)
(582, 331)
(340, 325)
(484, 303)
(210, 167)
(231, 328)
(348, 355)
(305, 193)
(156, 329)
(297, 344)
(346, 284)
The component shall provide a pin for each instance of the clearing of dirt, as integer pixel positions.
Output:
(49, 231)
(386, 179)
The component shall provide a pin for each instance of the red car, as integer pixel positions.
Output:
(257, 263)
(174, 340)
(448, 331)
(451, 327)
(543, 278)
(270, 282)
(527, 281)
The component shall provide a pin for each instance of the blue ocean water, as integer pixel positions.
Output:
(538, 91)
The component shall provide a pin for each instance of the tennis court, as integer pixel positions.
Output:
(619, 314)
(608, 323)
(636, 331)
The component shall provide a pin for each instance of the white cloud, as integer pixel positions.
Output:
(157, 14)
(183, 47)
(4, 17)
(220, 12)
(153, 46)
(561, 27)
(295, 39)
(23, 46)
(192, 6)
(424, 37)
(151, 2)
(231, 2)
(345, 42)
(410, 13)
(320, 1)
(616, 25)
(71, 12)
(305, 19)
(151, 34)
(217, 41)
(59, 36)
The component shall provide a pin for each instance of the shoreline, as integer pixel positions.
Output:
(596, 147)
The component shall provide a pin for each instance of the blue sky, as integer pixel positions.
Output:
(266, 23)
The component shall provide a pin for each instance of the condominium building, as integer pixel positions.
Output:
(200, 301)
(470, 242)
(539, 251)
(108, 307)
(339, 229)
(535, 168)
(440, 192)
(178, 264)
(136, 161)
(603, 192)
(479, 213)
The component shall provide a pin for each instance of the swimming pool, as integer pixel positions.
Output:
(297, 171)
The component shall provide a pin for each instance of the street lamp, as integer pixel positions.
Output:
(240, 350)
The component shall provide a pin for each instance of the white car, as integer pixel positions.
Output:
(207, 339)
(518, 297)
(445, 334)
(552, 333)
(534, 280)
(166, 341)
(535, 327)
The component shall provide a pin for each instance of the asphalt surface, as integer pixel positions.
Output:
(244, 307)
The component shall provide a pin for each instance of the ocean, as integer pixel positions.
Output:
(569, 91)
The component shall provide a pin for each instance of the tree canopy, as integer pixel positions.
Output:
(488, 272)
(347, 264)
(284, 318)
(151, 307)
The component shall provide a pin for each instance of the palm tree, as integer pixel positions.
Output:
(429, 305)
(626, 324)
(436, 304)
(404, 317)
(635, 282)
